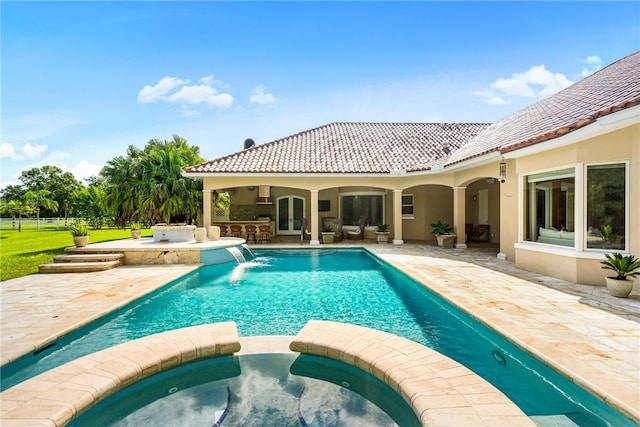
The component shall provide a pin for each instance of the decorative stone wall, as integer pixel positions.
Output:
(251, 212)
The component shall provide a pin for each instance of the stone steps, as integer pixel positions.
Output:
(82, 263)
(87, 257)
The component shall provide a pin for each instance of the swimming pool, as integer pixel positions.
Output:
(280, 290)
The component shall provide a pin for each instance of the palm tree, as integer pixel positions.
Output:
(149, 184)
(16, 208)
(38, 199)
(123, 183)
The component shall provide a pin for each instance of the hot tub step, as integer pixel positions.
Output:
(77, 267)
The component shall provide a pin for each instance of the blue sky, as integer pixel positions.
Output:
(81, 81)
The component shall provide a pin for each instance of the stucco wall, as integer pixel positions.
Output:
(584, 267)
(431, 203)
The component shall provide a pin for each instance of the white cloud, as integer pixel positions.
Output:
(29, 151)
(592, 64)
(56, 158)
(259, 96)
(8, 151)
(209, 80)
(189, 113)
(201, 94)
(154, 93)
(84, 169)
(537, 82)
(491, 97)
(33, 151)
(175, 90)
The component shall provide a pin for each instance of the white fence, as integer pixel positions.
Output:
(11, 224)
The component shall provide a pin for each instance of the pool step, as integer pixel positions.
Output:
(82, 263)
(559, 420)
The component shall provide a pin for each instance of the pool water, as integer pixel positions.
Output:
(255, 390)
(280, 290)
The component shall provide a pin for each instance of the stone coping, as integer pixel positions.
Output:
(441, 391)
(57, 396)
(147, 243)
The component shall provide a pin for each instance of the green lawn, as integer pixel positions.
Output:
(22, 252)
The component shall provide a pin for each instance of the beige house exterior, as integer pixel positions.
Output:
(557, 183)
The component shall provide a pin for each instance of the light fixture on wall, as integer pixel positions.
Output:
(475, 198)
(251, 188)
(503, 170)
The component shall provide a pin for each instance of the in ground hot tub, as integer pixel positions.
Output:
(173, 233)
(255, 390)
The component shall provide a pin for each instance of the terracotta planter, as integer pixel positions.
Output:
(619, 288)
(81, 241)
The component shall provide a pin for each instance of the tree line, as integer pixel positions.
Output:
(145, 185)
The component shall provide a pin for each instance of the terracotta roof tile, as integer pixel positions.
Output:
(611, 89)
(384, 147)
(350, 148)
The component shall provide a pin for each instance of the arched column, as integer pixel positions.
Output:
(459, 216)
(314, 218)
(397, 217)
(206, 208)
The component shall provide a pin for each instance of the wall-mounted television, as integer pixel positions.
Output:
(324, 205)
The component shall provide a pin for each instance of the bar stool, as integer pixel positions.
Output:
(265, 233)
(251, 232)
(236, 230)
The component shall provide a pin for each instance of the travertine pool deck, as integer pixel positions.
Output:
(579, 329)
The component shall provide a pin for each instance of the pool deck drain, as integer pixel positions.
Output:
(592, 338)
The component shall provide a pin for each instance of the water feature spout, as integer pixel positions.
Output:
(237, 254)
(247, 250)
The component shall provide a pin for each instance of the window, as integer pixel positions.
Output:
(550, 207)
(606, 206)
(354, 206)
(407, 206)
(550, 210)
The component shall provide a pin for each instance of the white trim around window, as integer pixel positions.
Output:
(580, 213)
(408, 204)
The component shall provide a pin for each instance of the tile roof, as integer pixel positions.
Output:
(350, 148)
(611, 89)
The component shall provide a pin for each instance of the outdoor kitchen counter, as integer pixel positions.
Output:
(245, 223)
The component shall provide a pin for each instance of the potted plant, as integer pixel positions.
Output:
(382, 232)
(443, 233)
(136, 230)
(80, 233)
(625, 266)
(328, 234)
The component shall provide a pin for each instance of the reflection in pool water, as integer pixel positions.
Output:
(278, 292)
(255, 390)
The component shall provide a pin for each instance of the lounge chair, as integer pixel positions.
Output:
(304, 229)
(359, 233)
